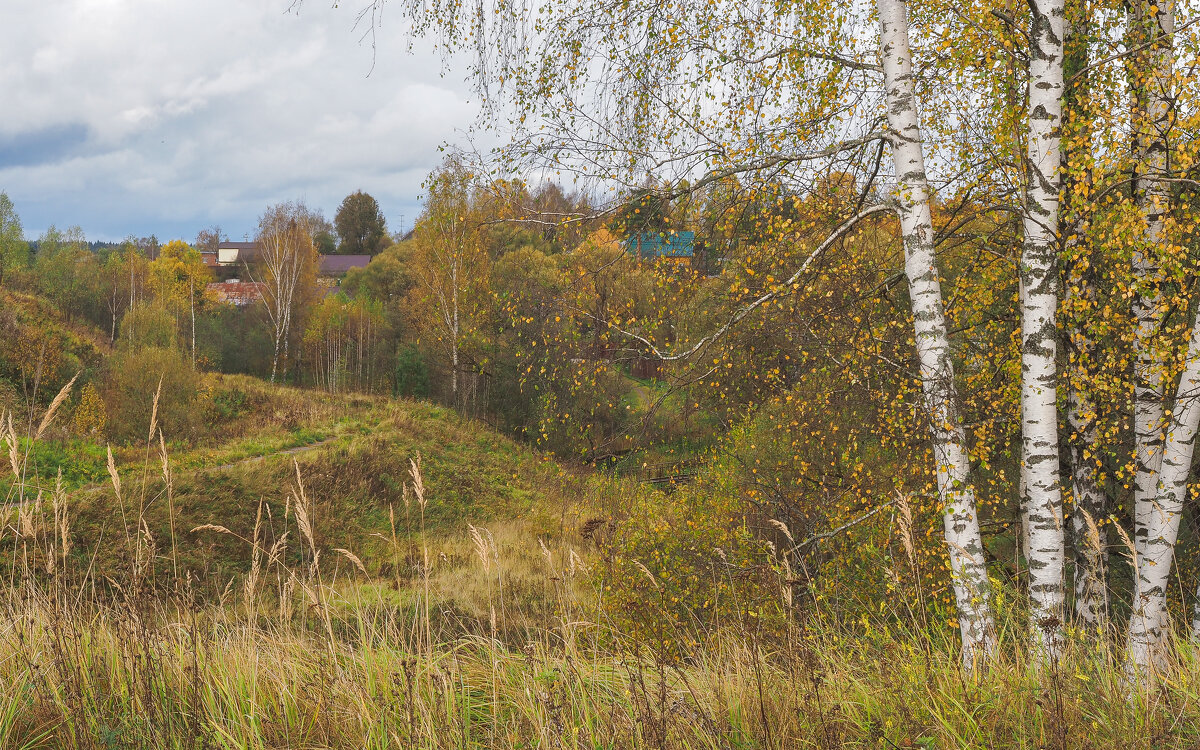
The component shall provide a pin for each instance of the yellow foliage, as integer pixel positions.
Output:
(90, 415)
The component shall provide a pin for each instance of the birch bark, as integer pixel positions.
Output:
(1163, 464)
(1152, 23)
(1089, 535)
(1147, 624)
(1039, 275)
(960, 516)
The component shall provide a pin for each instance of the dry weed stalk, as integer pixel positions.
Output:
(63, 393)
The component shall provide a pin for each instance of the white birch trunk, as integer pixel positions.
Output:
(1162, 464)
(1153, 23)
(1150, 153)
(192, 305)
(1089, 535)
(1148, 625)
(454, 331)
(1039, 275)
(961, 519)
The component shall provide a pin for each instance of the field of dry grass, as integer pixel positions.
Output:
(421, 582)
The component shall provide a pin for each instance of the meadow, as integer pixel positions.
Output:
(408, 578)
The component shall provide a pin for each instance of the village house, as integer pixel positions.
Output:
(232, 261)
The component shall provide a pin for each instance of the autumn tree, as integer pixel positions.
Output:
(450, 264)
(65, 272)
(125, 280)
(209, 238)
(14, 252)
(360, 225)
(179, 279)
(286, 268)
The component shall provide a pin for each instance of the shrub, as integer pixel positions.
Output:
(227, 404)
(412, 376)
(148, 326)
(90, 415)
(134, 377)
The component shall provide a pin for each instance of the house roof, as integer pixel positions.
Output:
(340, 264)
(669, 244)
(238, 293)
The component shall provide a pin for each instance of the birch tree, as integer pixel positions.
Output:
(955, 490)
(1088, 530)
(1039, 302)
(1163, 442)
(1151, 26)
(286, 271)
(1148, 625)
(450, 263)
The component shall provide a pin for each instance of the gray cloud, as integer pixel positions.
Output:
(138, 116)
(47, 145)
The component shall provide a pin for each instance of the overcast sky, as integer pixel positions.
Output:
(139, 117)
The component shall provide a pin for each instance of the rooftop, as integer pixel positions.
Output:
(669, 244)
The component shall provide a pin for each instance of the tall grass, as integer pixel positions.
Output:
(307, 650)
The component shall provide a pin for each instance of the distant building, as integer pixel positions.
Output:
(240, 293)
(230, 257)
(337, 266)
(236, 253)
(680, 246)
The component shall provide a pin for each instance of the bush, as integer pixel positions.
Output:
(412, 376)
(227, 404)
(134, 377)
(148, 326)
(90, 415)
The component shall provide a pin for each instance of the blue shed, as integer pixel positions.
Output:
(668, 244)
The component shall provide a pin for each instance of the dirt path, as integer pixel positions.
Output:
(283, 452)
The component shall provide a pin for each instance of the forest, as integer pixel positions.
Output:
(790, 376)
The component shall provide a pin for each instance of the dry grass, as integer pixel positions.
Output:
(495, 635)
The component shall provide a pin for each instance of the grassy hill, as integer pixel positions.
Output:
(352, 458)
(40, 349)
(316, 571)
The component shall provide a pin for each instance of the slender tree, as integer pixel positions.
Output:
(956, 492)
(286, 271)
(14, 251)
(1039, 338)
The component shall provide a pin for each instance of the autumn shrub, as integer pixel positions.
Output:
(134, 376)
(586, 409)
(225, 404)
(677, 567)
(90, 415)
(10, 397)
(148, 325)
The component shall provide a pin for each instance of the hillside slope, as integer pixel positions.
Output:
(351, 460)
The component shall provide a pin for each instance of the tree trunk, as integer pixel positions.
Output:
(1148, 624)
(1039, 275)
(1088, 534)
(1150, 23)
(1162, 465)
(192, 304)
(1147, 306)
(972, 590)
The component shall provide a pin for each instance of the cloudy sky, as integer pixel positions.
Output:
(139, 117)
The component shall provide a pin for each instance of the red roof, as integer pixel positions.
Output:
(238, 293)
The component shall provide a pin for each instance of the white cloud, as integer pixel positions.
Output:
(164, 117)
